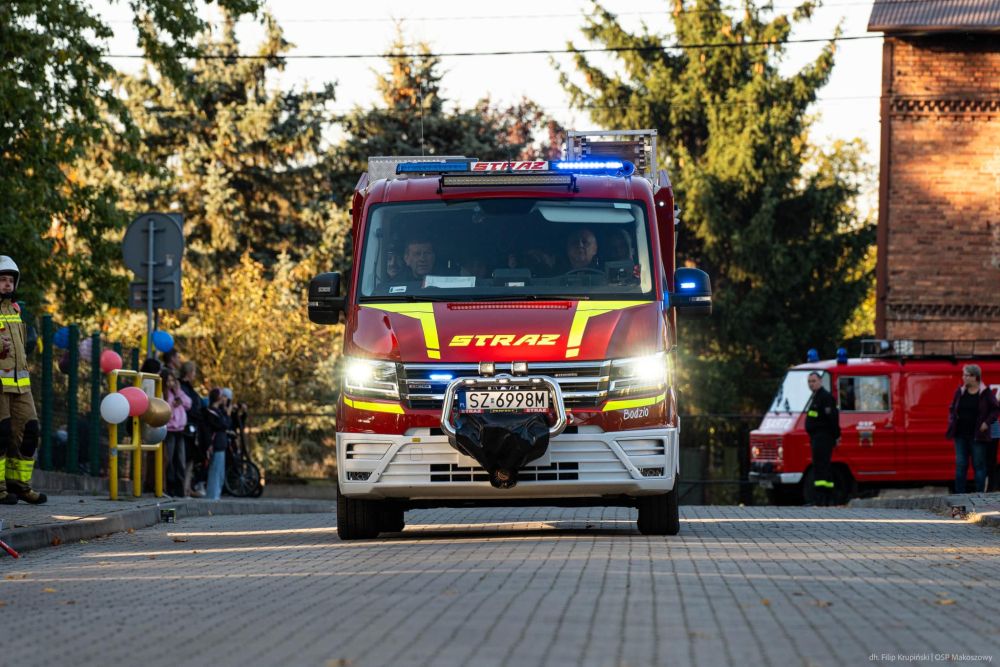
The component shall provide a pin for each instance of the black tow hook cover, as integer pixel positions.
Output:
(502, 442)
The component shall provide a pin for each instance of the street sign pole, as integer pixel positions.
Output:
(150, 262)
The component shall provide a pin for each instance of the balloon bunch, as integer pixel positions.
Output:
(133, 402)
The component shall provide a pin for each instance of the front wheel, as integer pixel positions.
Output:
(357, 519)
(659, 515)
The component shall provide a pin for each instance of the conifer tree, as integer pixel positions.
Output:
(770, 216)
(414, 119)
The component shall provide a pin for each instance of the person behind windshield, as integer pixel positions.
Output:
(419, 258)
(618, 246)
(581, 250)
(393, 263)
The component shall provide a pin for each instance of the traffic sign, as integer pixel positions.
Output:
(167, 247)
(166, 294)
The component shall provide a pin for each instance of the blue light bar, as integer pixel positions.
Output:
(441, 376)
(608, 167)
(690, 285)
(431, 167)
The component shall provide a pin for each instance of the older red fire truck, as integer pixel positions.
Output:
(893, 403)
(510, 333)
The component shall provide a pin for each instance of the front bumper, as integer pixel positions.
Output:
(587, 464)
(763, 474)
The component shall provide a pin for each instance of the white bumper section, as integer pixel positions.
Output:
(588, 464)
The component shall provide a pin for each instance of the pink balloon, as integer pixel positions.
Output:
(110, 361)
(138, 402)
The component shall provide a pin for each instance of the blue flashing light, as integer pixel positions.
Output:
(431, 167)
(688, 285)
(441, 377)
(609, 167)
(841, 355)
(812, 355)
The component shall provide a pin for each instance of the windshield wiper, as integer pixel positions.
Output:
(404, 298)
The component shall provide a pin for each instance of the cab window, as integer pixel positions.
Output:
(863, 393)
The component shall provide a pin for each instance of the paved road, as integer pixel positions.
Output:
(520, 587)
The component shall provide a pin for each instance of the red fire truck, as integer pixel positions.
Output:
(510, 333)
(893, 403)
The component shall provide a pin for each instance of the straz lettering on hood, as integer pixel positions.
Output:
(502, 340)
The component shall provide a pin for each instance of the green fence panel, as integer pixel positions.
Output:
(95, 405)
(48, 393)
(72, 443)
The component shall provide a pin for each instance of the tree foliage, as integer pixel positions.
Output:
(55, 103)
(415, 119)
(770, 216)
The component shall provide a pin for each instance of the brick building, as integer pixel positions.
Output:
(938, 274)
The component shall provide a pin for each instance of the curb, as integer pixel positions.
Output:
(38, 537)
(983, 509)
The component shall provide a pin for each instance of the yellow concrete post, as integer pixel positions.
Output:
(137, 451)
(113, 443)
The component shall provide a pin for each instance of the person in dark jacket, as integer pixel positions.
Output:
(218, 422)
(823, 427)
(973, 410)
(192, 443)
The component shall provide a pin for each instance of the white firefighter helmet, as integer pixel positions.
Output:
(7, 265)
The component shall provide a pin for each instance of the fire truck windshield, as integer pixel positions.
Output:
(794, 393)
(507, 249)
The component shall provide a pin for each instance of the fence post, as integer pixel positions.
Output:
(72, 443)
(48, 394)
(135, 358)
(95, 404)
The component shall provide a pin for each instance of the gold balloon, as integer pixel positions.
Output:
(157, 414)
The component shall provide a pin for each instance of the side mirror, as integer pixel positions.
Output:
(325, 302)
(692, 295)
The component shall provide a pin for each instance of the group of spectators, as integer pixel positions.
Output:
(199, 429)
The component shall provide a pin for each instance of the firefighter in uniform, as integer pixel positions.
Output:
(823, 427)
(18, 420)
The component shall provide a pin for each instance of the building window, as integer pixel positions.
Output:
(864, 394)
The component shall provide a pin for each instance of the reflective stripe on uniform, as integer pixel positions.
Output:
(15, 319)
(3, 468)
(812, 413)
(823, 485)
(19, 470)
(11, 382)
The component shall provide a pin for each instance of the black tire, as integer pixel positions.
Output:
(392, 518)
(659, 515)
(785, 494)
(357, 519)
(843, 485)
(242, 478)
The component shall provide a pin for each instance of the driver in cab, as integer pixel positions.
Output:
(419, 258)
(581, 251)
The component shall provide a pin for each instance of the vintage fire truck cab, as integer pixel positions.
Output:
(893, 403)
(510, 332)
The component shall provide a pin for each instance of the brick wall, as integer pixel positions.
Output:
(942, 246)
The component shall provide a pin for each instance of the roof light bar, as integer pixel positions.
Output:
(607, 167)
(481, 179)
(431, 167)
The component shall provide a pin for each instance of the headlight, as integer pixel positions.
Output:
(367, 377)
(639, 375)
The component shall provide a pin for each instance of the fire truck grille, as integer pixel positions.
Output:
(449, 472)
(767, 450)
(584, 384)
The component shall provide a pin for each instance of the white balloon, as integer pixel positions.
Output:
(152, 435)
(114, 408)
(86, 347)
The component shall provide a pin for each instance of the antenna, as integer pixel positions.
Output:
(420, 88)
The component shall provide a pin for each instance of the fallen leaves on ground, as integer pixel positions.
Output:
(48, 590)
(766, 602)
(822, 603)
(180, 539)
(945, 601)
(56, 541)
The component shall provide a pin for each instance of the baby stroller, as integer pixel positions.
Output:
(242, 474)
(242, 478)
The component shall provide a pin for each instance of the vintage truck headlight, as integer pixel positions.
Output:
(639, 375)
(368, 377)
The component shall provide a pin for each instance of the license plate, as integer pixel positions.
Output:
(515, 400)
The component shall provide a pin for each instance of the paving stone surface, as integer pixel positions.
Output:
(516, 587)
